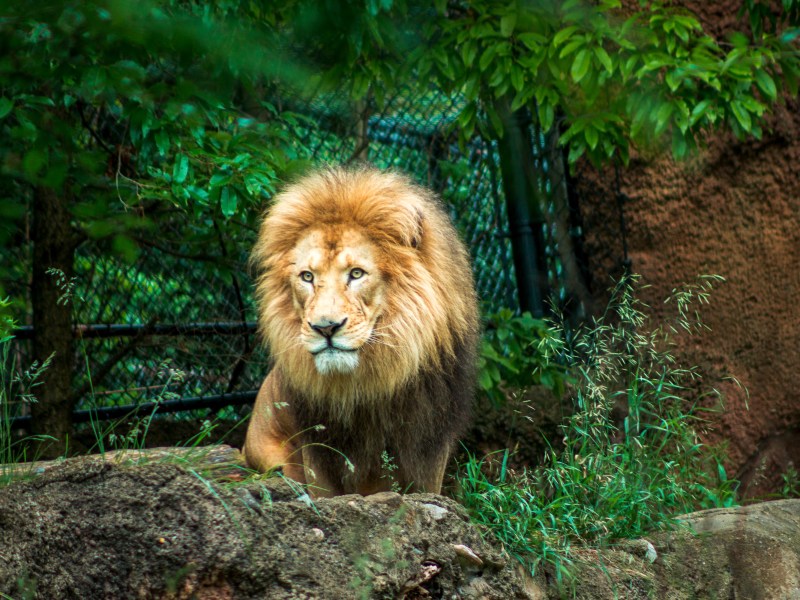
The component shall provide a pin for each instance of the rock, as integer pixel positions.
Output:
(750, 552)
(95, 529)
(468, 555)
(641, 548)
(437, 512)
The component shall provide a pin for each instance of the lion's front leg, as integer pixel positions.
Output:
(270, 442)
(425, 475)
(323, 482)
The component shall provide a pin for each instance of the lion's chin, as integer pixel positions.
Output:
(336, 361)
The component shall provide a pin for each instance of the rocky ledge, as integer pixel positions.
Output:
(166, 528)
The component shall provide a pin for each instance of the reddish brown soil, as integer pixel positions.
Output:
(733, 210)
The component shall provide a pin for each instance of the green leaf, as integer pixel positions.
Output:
(662, 116)
(679, 146)
(181, 169)
(468, 53)
(494, 119)
(252, 185)
(99, 229)
(572, 47)
(220, 179)
(507, 24)
(125, 247)
(162, 142)
(517, 78)
(520, 99)
(5, 107)
(765, 83)
(533, 41)
(546, 116)
(228, 199)
(741, 114)
(575, 152)
(591, 137)
(564, 35)
(497, 77)
(580, 66)
(487, 57)
(33, 162)
(485, 380)
(604, 58)
(699, 111)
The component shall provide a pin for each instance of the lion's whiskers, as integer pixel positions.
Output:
(291, 347)
(374, 338)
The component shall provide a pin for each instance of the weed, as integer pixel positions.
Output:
(388, 468)
(791, 482)
(630, 460)
(66, 285)
(514, 355)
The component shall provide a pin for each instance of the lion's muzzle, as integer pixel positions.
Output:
(332, 353)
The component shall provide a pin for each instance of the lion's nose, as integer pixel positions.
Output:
(326, 328)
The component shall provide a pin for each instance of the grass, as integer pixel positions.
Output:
(16, 390)
(137, 428)
(630, 460)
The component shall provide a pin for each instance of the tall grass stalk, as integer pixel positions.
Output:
(630, 460)
(16, 390)
(137, 427)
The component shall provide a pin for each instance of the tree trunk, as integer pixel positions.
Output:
(563, 220)
(53, 248)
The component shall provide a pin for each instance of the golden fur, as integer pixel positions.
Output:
(368, 308)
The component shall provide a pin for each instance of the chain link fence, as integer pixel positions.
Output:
(185, 303)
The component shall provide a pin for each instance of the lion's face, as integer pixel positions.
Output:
(362, 284)
(338, 292)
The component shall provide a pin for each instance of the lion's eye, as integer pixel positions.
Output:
(307, 276)
(356, 273)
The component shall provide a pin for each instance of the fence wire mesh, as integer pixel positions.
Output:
(200, 282)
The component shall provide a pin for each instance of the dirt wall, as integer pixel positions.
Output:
(732, 210)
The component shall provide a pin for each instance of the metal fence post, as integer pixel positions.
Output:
(525, 218)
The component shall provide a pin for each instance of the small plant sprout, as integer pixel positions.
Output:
(388, 468)
(65, 284)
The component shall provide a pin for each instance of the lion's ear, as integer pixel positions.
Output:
(416, 238)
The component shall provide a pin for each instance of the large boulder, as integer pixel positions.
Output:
(97, 529)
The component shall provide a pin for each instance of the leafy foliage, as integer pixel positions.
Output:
(610, 79)
(791, 482)
(117, 107)
(515, 354)
(120, 110)
(631, 459)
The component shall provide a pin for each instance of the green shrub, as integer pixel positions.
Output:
(516, 352)
(631, 459)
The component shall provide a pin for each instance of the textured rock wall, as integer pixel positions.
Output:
(733, 210)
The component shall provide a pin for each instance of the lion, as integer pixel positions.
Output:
(368, 307)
